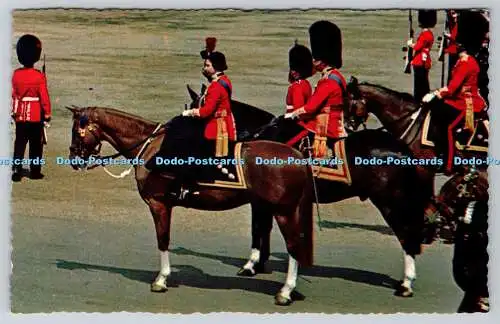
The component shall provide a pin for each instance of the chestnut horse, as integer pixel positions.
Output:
(464, 200)
(285, 191)
(397, 192)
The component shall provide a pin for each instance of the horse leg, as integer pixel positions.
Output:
(407, 223)
(298, 233)
(262, 222)
(283, 297)
(162, 215)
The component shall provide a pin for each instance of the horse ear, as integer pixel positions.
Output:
(353, 81)
(192, 93)
(75, 110)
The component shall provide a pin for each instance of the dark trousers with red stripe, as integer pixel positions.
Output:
(421, 85)
(448, 118)
(32, 133)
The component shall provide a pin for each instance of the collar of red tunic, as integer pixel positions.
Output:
(216, 76)
(326, 71)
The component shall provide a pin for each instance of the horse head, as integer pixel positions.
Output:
(357, 111)
(85, 136)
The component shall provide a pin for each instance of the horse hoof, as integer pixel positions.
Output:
(157, 288)
(281, 300)
(246, 272)
(403, 291)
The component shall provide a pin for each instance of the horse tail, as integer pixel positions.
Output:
(306, 222)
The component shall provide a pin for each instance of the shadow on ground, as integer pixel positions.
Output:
(382, 229)
(190, 276)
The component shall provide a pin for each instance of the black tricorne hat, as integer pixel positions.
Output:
(427, 18)
(326, 43)
(300, 60)
(29, 49)
(218, 61)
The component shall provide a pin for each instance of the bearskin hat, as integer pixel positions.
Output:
(427, 18)
(472, 29)
(210, 43)
(326, 43)
(29, 49)
(300, 60)
(218, 61)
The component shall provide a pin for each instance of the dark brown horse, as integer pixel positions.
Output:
(284, 191)
(464, 200)
(397, 192)
(405, 118)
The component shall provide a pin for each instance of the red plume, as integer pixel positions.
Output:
(210, 43)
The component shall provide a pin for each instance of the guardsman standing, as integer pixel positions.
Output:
(483, 59)
(301, 68)
(461, 98)
(30, 105)
(422, 61)
(323, 114)
(451, 36)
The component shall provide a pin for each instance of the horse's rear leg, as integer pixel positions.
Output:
(162, 215)
(291, 232)
(297, 230)
(262, 224)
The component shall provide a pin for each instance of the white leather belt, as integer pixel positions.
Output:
(30, 99)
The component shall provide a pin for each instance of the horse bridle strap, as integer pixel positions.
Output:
(145, 143)
(148, 138)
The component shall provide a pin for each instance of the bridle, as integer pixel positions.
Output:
(86, 126)
(93, 129)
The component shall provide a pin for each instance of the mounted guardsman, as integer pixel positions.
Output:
(323, 114)
(301, 68)
(422, 61)
(30, 106)
(461, 98)
(214, 115)
(216, 104)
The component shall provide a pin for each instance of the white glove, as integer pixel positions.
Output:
(409, 42)
(46, 124)
(188, 113)
(290, 115)
(428, 97)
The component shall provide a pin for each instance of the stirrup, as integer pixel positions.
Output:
(183, 194)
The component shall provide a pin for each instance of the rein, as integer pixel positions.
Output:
(145, 142)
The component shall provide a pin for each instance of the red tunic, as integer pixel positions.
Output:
(328, 94)
(463, 85)
(452, 44)
(422, 49)
(30, 95)
(298, 94)
(217, 104)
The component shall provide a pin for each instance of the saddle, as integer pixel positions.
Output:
(475, 141)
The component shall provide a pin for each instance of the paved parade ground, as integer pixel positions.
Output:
(85, 242)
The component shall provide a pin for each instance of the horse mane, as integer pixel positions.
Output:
(239, 107)
(405, 96)
(115, 112)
